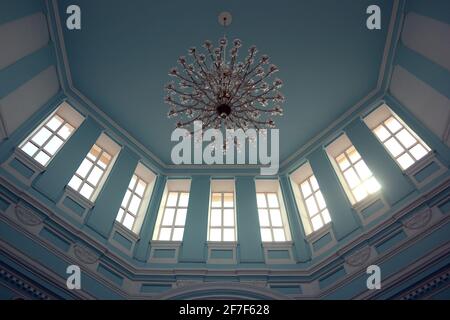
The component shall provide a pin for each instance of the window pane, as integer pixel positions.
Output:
(372, 185)
(216, 217)
(278, 235)
(406, 138)
(316, 222)
(132, 182)
(314, 184)
(53, 145)
(320, 200)
(177, 234)
(418, 152)
(54, 123)
(273, 200)
(382, 133)
(393, 125)
(363, 170)
(326, 216)
(84, 168)
(343, 162)
(41, 136)
(275, 217)
(215, 234)
(168, 217)
(86, 191)
(164, 234)
(264, 218)
(126, 198)
(261, 200)
(120, 215)
(75, 183)
(29, 149)
(184, 200)
(351, 177)
(95, 175)
(134, 204)
(360, 193)
(172, 199)
(128, 221)
(228, 200)
(216, 200)
(181, 217)
(65, 131)
(104, 160)
(266, 235)
(94, 153)
(228, 234)
(394, 147)
(353, 154)
(140, 188)
(312, 206)
(42, 158)
(306, 189)
(405, 161)
(228, 217)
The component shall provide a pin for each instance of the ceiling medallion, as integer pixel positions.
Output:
(213, 87)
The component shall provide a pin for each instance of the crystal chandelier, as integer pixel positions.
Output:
(212, 86)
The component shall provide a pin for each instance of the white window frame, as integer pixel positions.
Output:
(272, 186)
(336, 149)
(106, 144)
(142, 173)
(297, 178)
(69, 116)
(378, 117)
(222, 187)
(178, 186)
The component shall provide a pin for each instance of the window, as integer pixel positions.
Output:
(270, 220)
(356, 177)
(137, 196)
(92, 172)
(405, 147)
(318, 214)
(222, 219)
(172, 214)
(309, 198)
(45, 142)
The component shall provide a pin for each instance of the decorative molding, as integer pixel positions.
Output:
(23, 284)
(84, 254)
(418, 221)
(27, 216)
(359, 258)
(428, 287)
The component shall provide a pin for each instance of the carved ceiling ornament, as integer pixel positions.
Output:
(27, 216)
(85, 255)
(419, 220)
(359, 258)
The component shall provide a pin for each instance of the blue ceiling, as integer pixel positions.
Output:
(327, 57)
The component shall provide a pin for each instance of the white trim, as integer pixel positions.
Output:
(219, 245)
(421, 164)
(278, 246)
(28, 162)
(170, 245)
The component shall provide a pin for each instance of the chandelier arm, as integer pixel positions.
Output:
(205, 71)
(196, 86)
(252, 87)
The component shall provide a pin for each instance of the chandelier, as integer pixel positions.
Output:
(213, 87)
